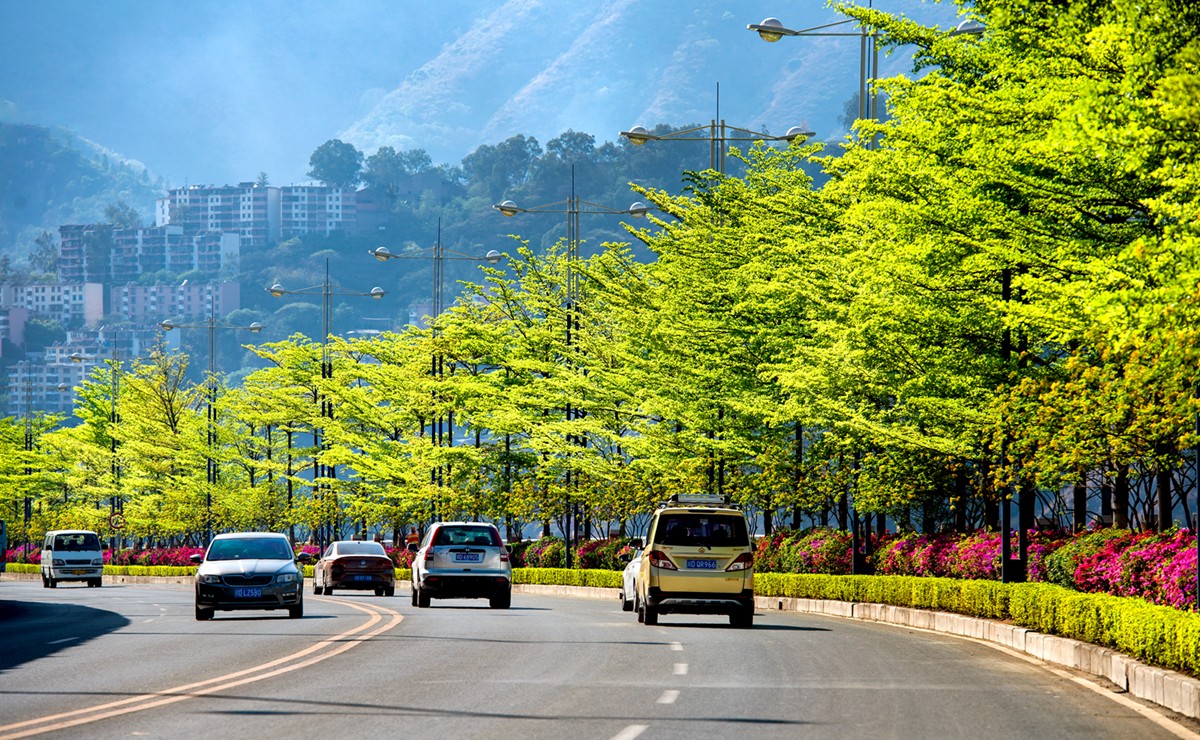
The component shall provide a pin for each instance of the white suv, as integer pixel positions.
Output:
(461, 560)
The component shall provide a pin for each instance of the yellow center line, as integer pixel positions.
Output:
(340, 644)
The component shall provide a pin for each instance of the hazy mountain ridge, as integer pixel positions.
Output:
(51, 176)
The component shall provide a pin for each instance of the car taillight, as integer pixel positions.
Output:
(745, 561)
(503, 556)
(659, 560)
(429, 556)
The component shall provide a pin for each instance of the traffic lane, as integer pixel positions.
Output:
(458, 669)
(30, 630)
(554, 666)
(846, 678)
(161, 645)
(550, 667)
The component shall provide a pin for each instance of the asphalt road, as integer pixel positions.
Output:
(125, 661)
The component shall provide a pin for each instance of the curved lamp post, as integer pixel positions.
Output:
(212, 324)
(720, 134)
(439, 254)
(572, 207)
(115, 503)
(325, 290)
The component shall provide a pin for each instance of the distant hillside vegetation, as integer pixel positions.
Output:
(50, 177)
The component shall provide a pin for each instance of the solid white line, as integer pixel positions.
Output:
(630, 732)
(65, 639)
(681, 669)
(677, 647)
(668, 697)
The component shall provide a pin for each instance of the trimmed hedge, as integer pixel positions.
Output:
(1156, 635)
(567, 577)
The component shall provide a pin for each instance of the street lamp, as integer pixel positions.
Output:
(25, 381)
(572, 207)
(325, 290)
(772, 30)
(439, 254)
(212, 324)
(115, 503)
(719, 136)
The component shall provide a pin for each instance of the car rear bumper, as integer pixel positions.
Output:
(683, 602)
(465, 586)
(373, 581)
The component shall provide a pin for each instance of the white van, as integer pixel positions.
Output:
(71, 555)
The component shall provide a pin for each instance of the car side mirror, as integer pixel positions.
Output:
(197, 558)
(636, 543)
(304, 558)
(412, 547)
(624, 557)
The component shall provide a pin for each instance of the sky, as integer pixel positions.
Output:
(209, 92)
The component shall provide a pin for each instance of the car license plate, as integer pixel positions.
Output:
(702, 564)
(247, 593)
(79, 572)
(362, 578)
(467, 557)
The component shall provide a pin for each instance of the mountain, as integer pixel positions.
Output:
(219, 92)
(50, 177)
(541, 68)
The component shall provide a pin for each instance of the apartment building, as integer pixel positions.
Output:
(260, 215)
(100, 253)
(74, 304)
(187, 301)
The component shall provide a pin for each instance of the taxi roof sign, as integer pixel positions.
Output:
(697, 499)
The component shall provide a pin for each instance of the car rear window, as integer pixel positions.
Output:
(702, 530)
(360, 548)
(456, 535)
(82, 541)
(246, 548)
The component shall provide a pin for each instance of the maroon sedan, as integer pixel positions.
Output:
(353, 564)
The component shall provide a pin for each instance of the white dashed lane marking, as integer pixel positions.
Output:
(630, 732)
(668, 697)
(677, 647)
(681, 669)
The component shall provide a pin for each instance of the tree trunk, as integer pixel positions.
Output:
(1120, 496)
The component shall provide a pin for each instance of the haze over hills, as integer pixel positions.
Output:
(216, 93)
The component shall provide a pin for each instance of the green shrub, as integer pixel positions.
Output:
(567, 577)
(1061, 564)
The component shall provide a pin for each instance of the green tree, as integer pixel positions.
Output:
(336, 164)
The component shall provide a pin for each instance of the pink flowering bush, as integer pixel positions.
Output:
(817, 550)
(24, 554)
(173, 556)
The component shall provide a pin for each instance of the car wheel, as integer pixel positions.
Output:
(317, 589)
(637, 607)
(45, 581)
(412, 592)
(53, 583)
(743, 619)
(379, 592)
(329, 591)
(626, 604)
(203, 615)
(389, 591)
(96, 582)
(297, 611)
(503, 601)
(649, 615)
(422, 599)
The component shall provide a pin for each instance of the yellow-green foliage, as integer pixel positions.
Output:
(22, 568)
(1157, 635)
(567, 577)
